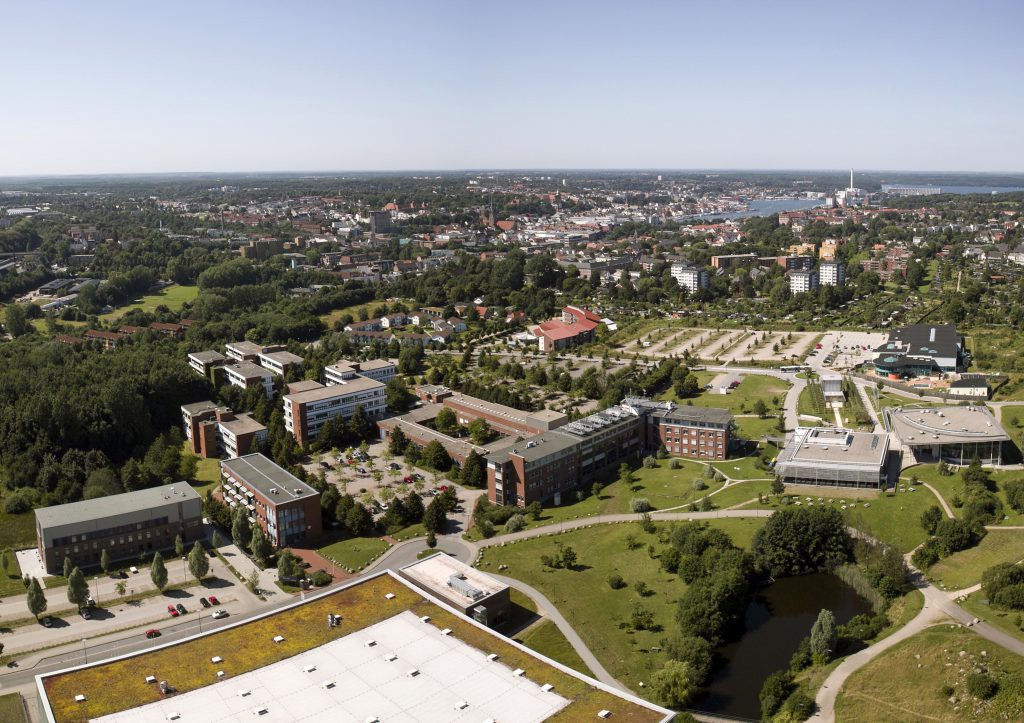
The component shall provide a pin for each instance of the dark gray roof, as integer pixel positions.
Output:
(263, 475)
(923, 340)
(101, 507)
(206, 357)
(712, 415)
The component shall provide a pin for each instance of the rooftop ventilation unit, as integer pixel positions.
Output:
(459, 584)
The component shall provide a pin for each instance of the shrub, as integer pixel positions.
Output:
(946, 691)
(615, 582)
(981, 685)
(774, 692)
(321, 578)
(700, 485)
(676, 463)
(640, 504)
(487, 528)
(650, 462)
(926, 555)
(800, 706)
(515, 523)
(20, 501)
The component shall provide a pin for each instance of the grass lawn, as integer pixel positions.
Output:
(740, 493)
(953, 486)
(741, 400)
(666, 487)
(753, 428)
(596, 611)
(355, 553)
(741, 468)
(905, 682)
(547, 639)
(207, 474)
(811, 402)
(12, 710)
(17, 531)
(173, 297)
(10, 584)
(964, 568)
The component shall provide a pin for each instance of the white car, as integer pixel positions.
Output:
(222, 613)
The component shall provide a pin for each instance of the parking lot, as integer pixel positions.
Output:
(847, 348)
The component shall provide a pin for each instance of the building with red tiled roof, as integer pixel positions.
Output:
(574, 328)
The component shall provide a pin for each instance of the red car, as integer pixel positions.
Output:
(153, 633)
(174, 613)
(817, 346)
(213, 600)
(408, 480)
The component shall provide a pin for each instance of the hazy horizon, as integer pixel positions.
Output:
(453, 86)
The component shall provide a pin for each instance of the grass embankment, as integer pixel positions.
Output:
(909, 681)
(598, 613)
(173, 297)
(964, 568)
(12, 710)
(1010, 622)
(547, 639)
(113, 686)
(355, 553)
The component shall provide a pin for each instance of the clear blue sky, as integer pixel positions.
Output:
(97, 87)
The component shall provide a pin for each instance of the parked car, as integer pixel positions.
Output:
(325, 465)
(152, 633)
(181, 609)
(394, 467)
(407, 479)
(204, 602)
(218, 614)
(214, 600)
(89, 602)
(86, 615)
(47, 622)
(361, 470)
(174, 613)
(417, 475)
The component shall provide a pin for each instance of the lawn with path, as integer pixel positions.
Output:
(906, 683)
(598, 613)
(952, 487)
(1009, 621)
(354, 553)
(771, 390)
(547, 639)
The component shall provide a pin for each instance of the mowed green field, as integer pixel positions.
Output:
(770, 390)
(547, 639)
(952, 486)
(173, 297)
(594, 609)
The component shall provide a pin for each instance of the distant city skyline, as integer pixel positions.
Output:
(400, 86)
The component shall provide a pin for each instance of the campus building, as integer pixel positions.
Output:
(214, 431)
(834, 458)
(246, 375)
(203, 361)
(473, 593)
(310, 405)
(551, 464)
(128, 526)
(285, 507)
(576, 326)
(920, 350)
(279, 362)
(381, 370)
(376, 648)
(247, 351)
(955, 435)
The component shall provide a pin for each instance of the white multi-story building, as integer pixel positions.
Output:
(690, 277)
(802, 281)
(382, 370)
(832, 273)
(247, 374)
(203, 361)
(279, 361)
(306, 412)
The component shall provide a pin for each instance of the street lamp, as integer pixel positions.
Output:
(199, 615)
(85, 650)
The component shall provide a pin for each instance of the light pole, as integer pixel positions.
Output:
(85, 650)
(199, 616)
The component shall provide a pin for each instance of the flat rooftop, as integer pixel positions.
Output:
(245, 347)
(263, 475)
(544, 418)
(242, 424)
(350, 386)
(435, 571)
(207, 357)
(826, 445)
(368, 686)
(945, 425)
(247, 370)
(304, 386)
(398, 654)
(198, 407)
(74, 513)
(282, 357)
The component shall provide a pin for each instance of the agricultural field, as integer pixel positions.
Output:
(173, 297)
(592, 607)
(924, 678)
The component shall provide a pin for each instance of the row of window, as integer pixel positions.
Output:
(110, 532)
